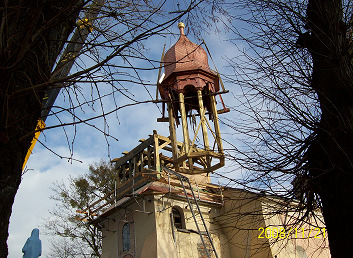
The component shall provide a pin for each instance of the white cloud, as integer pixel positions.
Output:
(32, 201)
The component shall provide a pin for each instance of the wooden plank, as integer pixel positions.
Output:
(202, 171)
(222, 111)
(206, 153)
(161, 156)
(180, 144)
(199, 154)
(167, 139)
(192, 171)
(210, 128)
(203, 192)
(167, 148)
(122, 186)
(134, 151)
(138, 183)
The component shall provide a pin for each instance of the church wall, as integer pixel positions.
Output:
(240, 219)
(234, 228)
(109, 241)
(244, 213)
(184, 243)
(143, 230)
(301, 240)
(146, 235)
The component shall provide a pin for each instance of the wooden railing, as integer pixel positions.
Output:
(144, 159)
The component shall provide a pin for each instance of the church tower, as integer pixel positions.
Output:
(163, 203)
(189, 88)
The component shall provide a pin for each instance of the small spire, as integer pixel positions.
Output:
(181, 26)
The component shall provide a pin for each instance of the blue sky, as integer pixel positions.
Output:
(32, 201)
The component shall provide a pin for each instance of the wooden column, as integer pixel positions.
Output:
(130, 169)
(185, 127)
(141, 161)
(203, 122)
(156, 151)
(135, 166)
(172, 132)
(216, 124)
(204, 126)
(149, 164)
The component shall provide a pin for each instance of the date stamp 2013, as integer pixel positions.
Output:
(282, 233)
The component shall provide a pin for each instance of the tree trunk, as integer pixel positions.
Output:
(331, 153)
(32, 34)
(11, 161)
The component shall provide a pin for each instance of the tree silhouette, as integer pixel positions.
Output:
(66, 45)
(76, 236)
(295, 79)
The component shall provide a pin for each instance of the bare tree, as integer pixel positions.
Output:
(77, 238)
(40, 42)
(296, 101)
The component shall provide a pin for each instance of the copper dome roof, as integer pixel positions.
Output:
(185, 55)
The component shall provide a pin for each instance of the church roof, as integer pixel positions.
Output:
(185, 55)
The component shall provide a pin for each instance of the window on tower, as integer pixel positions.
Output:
(178, 217)
(126, 237)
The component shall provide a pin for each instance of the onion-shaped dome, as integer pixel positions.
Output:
(185, 55)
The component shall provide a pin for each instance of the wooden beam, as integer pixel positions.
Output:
(134, 151)
(156, 151)
(173, 137)
(184, 123)
(221, 111)
(185, 128)
(212, 93)
(149, 165)
(216, 124)
(163, 145)
(203, 125)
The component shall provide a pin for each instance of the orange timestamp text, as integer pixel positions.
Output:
(274, 232)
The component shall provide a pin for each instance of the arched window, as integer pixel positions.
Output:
(126, 237)
(178, 217)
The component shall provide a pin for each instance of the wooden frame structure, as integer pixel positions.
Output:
(140, 166)
(186, 154)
